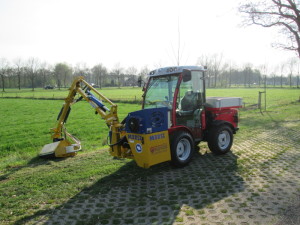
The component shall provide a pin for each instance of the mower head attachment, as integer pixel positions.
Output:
(63, 148)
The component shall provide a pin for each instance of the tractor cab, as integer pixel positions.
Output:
(182, 91)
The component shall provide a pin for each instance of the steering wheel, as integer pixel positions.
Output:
(160, 103)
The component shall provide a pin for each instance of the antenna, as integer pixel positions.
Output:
(178, 49)
(178, 53)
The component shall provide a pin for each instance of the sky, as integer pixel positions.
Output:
(133, 33)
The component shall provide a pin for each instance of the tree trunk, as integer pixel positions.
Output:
(58, 84)
(100, 82)
(2, 78)
(215, 80)
(44, 79)
(208, 82)
(19, 80)
(32, 83)
(249, 79)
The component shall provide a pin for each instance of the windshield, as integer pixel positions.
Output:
(160, 91)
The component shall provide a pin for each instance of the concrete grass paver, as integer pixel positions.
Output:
(257, 183)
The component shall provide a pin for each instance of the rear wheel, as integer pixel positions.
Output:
(220, 139)
(182, 148)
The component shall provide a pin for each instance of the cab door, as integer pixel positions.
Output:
(189, 102)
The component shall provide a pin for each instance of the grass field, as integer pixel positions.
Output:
(27, 123)
(275, 96)
(129, 94)
(29, 185)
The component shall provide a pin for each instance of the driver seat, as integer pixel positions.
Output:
(188, 103)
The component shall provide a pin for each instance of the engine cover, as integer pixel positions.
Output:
(147, 121)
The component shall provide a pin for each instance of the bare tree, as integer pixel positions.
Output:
(247, 72)
(10, 76)
(118, 72)
(214, 64)
(18, 64)
(81, 69)
(273, 74)
(142, 75)
(4, 66)
(291, 66)
(263, 68)
(284, 14)
(205, 60)
(282, 68)
(223, 76)
(62, 72)
(131, 71)
(45, 73)
(231, 66)
(33, 65)
(99, 72)
(131, 77)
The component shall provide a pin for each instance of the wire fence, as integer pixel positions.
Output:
(124, 98)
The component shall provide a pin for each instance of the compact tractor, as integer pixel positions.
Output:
(175, 117)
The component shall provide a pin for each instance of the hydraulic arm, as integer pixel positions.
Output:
(64, 144)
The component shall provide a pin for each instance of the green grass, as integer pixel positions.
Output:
(29, 184)
(132, 93)
(179, 219)
(26, 124)
(275, 96)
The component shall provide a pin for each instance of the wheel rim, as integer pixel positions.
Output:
(183, 149)
(224, 140)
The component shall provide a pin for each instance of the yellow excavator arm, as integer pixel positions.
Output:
(64, 144)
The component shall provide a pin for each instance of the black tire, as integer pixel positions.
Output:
(220, 139)
(182, 148)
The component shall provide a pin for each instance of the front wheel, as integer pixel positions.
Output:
(220, 139)
(182, 148)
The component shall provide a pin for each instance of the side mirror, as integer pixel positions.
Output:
(186, 75)
(142, 84)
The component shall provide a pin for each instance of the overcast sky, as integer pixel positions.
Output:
(132, 32)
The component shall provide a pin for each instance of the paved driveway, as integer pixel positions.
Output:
(258, 183)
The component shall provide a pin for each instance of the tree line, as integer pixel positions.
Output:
(31, 73)
(282, 14)
(221, 73)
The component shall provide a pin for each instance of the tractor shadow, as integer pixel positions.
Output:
(158, 195)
